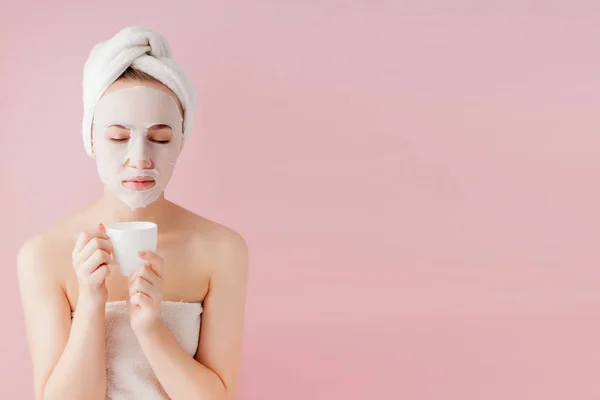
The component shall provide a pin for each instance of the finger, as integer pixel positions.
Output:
(147, 273)
(140, 272)
(93, 245)
(141, 299)
(154, 259)
(142, 286)
(101, 273)
(97, 259)
(81, 241)
(86, 236)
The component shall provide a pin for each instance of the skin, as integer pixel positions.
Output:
(63, 270)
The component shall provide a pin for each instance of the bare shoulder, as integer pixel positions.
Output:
(46, 255)
(224, 246)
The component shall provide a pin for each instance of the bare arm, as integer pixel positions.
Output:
(67, 358)
(212, 375)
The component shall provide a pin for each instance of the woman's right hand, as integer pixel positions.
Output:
(91, 259)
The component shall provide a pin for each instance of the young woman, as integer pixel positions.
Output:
(173, 328)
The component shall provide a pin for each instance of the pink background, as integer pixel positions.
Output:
(418, 185)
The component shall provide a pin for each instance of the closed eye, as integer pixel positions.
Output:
(117, 133)
(160, 133)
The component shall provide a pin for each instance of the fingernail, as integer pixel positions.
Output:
(141, 252)
(103, 230)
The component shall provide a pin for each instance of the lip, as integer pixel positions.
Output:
(139, 183)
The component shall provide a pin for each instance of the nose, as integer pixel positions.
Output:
(139, 155)
(139, 163)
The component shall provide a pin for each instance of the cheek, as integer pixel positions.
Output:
(164, 161)
(110, 157)
(166, 156)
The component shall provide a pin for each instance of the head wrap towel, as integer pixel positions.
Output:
(142, 49)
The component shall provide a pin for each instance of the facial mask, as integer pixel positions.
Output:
(128, 123)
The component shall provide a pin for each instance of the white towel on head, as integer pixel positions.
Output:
(142, 49)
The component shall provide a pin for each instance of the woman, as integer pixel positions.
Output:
(95, 334)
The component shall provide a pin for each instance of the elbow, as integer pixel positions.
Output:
(45, 396)
(227, 393)
(221, 394)
(49, 395)
(41, 392)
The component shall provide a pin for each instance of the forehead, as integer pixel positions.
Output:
(128, 83)
(137, 104)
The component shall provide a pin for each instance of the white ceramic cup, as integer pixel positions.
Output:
(128, 238)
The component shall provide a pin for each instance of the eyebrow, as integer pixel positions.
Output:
(159, 126)
(118, 126)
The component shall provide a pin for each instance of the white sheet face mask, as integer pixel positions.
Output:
(137, 137)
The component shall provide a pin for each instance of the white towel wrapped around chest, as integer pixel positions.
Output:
(128, 373)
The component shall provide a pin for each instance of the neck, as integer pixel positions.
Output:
(111, 209)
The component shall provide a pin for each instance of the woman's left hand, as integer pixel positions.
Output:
(145, 293)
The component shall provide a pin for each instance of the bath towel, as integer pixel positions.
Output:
(129, 376)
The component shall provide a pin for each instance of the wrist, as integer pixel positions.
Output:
(148, 330)
(90, 301)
